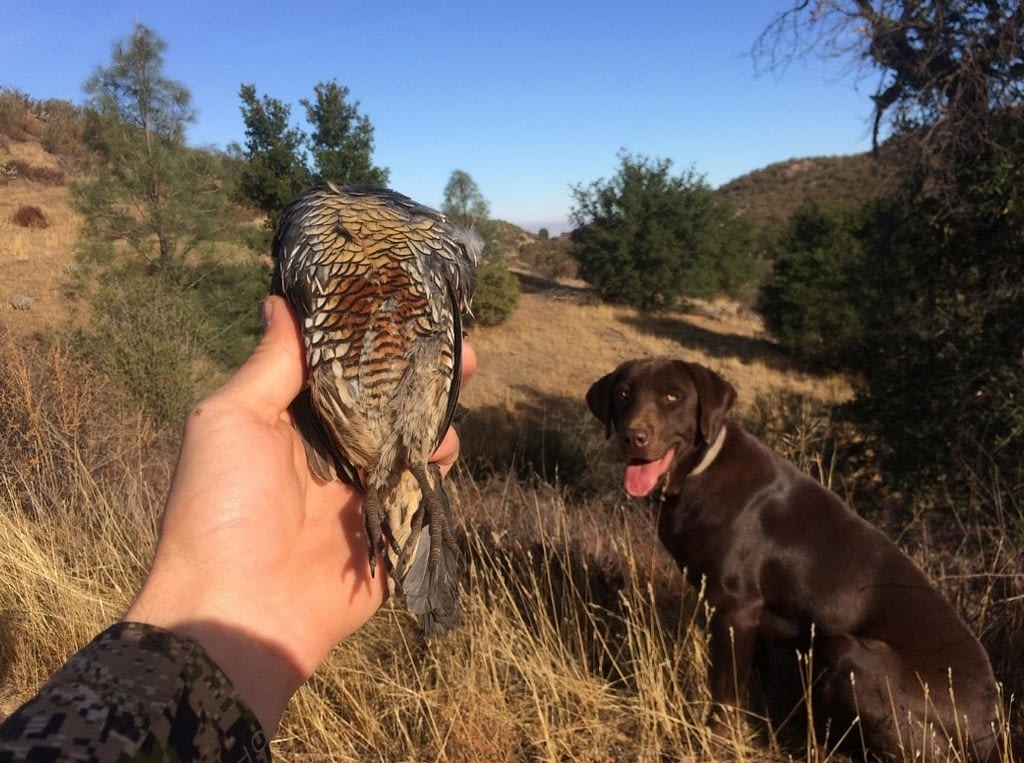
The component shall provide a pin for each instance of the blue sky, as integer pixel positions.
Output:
(529, 98)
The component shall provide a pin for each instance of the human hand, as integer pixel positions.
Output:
(263, 564)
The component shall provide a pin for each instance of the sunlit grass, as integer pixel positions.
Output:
(579, 640)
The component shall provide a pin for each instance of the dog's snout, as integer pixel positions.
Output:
(636, 437)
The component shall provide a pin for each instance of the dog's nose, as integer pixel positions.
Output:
(635, 438)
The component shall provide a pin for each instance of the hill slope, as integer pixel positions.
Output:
(768, 196)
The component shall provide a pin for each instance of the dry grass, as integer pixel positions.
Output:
(78, 509)
(554, 348)
(35, 260)
(579, 640)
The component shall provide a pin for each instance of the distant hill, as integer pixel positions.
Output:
(768, 196)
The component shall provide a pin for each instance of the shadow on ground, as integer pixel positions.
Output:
(548, 438)
(531, 283)
(712, 343)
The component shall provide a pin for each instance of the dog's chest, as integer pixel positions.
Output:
(698, 539)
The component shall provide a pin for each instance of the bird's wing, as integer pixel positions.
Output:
(456, 382)
(290, 247)
(324, 458)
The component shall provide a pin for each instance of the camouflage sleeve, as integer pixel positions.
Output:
(136, 693)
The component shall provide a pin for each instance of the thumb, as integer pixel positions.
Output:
(273, 375)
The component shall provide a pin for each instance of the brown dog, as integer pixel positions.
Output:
(782, 555)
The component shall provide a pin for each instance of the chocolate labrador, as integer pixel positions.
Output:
(782, 557)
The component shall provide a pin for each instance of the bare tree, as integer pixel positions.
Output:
(949, 73)
(941, 285)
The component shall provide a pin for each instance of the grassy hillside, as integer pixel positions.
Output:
(579, 639)
(769, 196)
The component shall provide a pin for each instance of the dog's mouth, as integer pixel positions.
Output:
(643, 476)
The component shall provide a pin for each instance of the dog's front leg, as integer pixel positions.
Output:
(734, 630)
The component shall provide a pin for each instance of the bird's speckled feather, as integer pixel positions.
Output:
(380, 284)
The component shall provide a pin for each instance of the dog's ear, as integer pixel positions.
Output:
(716, 397)
(599, 398)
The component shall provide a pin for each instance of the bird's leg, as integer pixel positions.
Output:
(437, 509)
(372, 513)
(415, 526)
(430, 574)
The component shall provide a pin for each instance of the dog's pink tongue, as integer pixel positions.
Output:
(641, 479)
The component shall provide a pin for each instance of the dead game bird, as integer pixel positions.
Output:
(380, 284)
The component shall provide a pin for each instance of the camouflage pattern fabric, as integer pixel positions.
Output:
(136, 693)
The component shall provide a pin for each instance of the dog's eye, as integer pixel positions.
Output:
(623, 392)
(673, 397)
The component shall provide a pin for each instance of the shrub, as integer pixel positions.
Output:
(228, 295)
(549, 257)
(15, 113)
(26, 171)
(942, 361)
(809, 303)
(62, 132)
(148, 337)
(29, 216)
(650, 240)
(497, 294)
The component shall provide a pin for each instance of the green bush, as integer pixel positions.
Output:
(810, 302)
(148, 337)
(648, 239)
(921, 296)
(497, 294)
(167, 336)
(942, 360)
(15, 113)
(228, 294)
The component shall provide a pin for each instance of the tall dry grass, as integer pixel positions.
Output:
(579, 639)
(78, 508)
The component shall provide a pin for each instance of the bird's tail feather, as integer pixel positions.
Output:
(430, 582)
(431, 591)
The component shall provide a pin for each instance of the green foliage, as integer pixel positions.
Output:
(648, 239)
(62, 133)
(15, 113)
(228, 295)
(341, 141)
(923, 301)
(463, 201)
(940, 293)
(167, 317)
(497, 293)
(497, 290)
(274, 171)
(810, 301)
(276, 164)
(168, 336)
(943, 315)
(134, 91)
(147, 337)
(149, 190)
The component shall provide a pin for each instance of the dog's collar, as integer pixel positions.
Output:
(709, 454)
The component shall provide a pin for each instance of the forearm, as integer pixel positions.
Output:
(136, 692)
